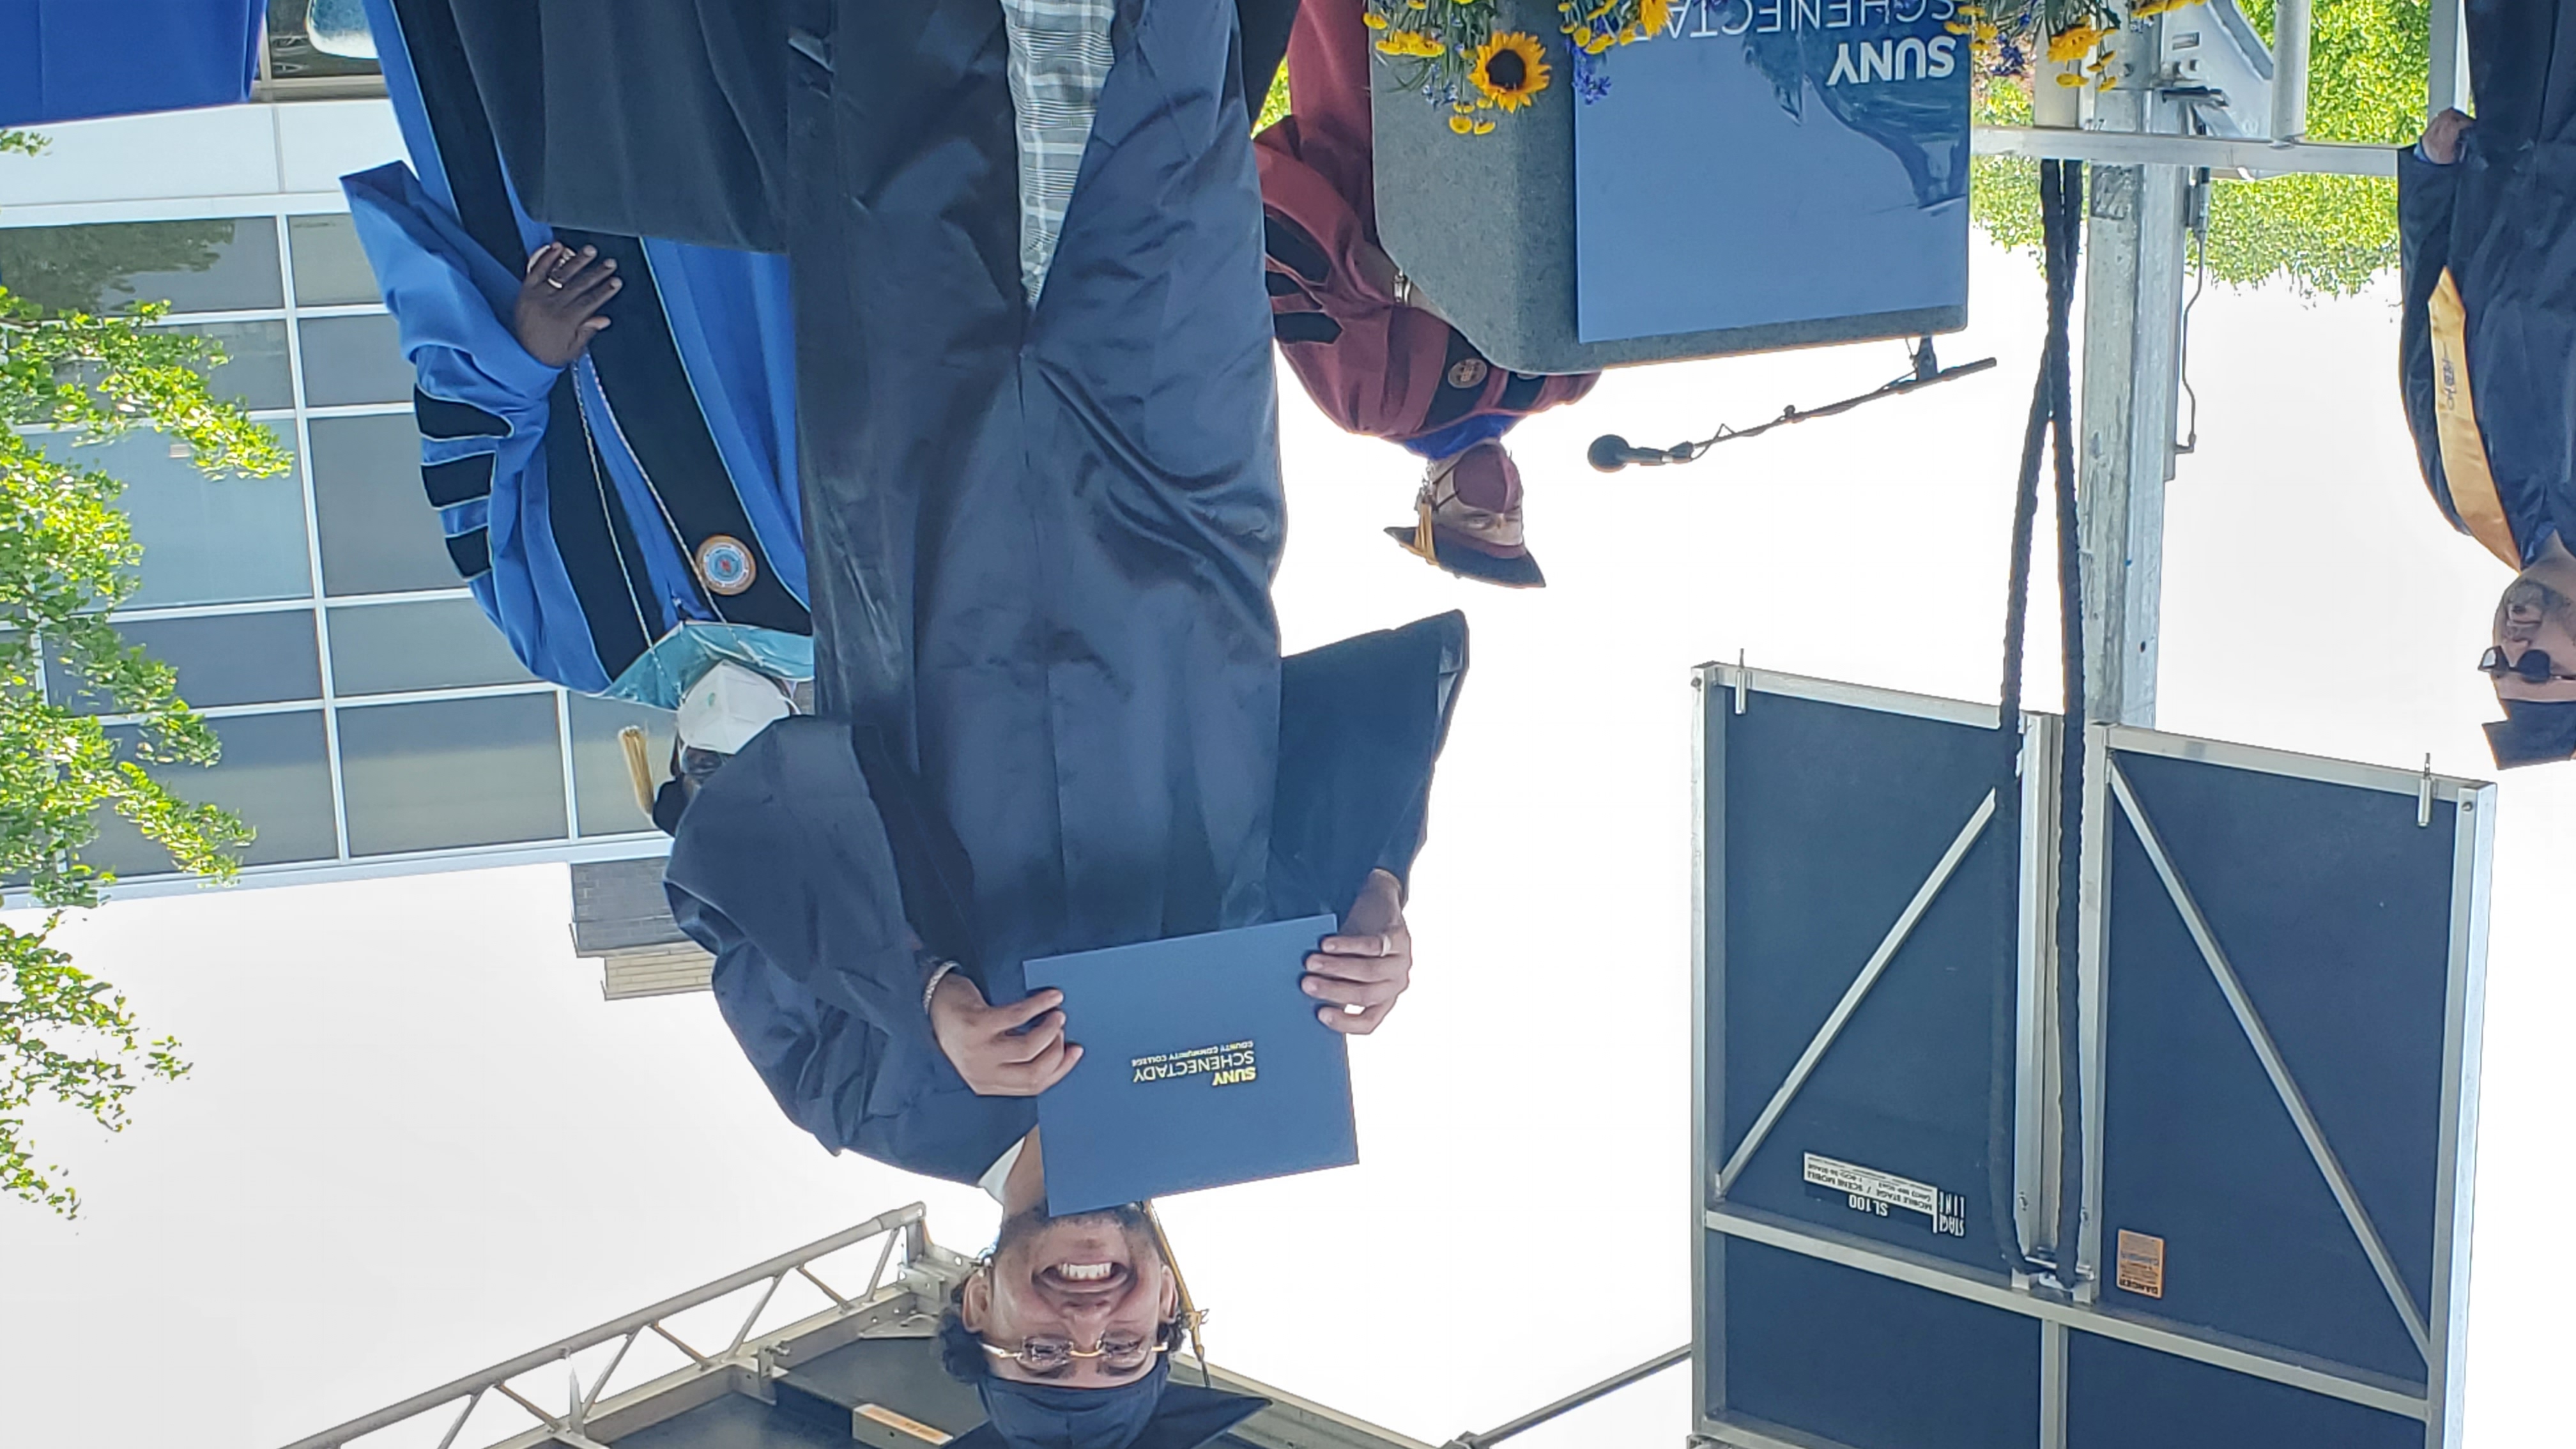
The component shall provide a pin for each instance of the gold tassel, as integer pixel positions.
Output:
(1191, 1316)
(1422, 547)
(639, 767)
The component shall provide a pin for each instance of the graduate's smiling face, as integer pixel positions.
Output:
(2538, 613)
(1092, 1283)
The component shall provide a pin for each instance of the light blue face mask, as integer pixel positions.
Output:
(679, 659)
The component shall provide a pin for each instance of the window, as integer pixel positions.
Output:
(228, 264)
(397, 648)
(254, 372)
(206, 540)
(452, 773)
(221, 659)
(274, 774)
(353, 360)
(379, 534)
(331, 269)
(299, 29)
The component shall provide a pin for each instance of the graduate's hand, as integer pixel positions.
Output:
(559, 299)
(1360, 972)
(2442, 137)
(977, 1039)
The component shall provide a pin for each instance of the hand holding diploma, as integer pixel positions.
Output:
(1362, 970)
(986, 1046)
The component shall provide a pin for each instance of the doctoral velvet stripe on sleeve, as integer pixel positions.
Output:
(1040, 542)
(484, 406)
(782, 867)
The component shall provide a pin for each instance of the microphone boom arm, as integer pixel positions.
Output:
(1927, 372)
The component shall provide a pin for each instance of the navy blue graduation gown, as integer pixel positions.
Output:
(1038, 547)
(805, 870)
(2489, 332)
(1040, 540)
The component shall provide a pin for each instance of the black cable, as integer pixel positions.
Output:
(2196, 209)
(2003, 1042)
(2050, 427)
(2066, 219)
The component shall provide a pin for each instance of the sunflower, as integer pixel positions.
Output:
(1510, 68)
(2073, 42)
(1651, 16)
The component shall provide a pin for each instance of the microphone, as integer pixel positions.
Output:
(1610, 453)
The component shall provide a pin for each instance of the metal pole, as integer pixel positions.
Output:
(2289, 70)
(2133, 287)
(2134, 258)
(2447, 80)
(634, 1322)
(2219, 153)
(1575, 1400)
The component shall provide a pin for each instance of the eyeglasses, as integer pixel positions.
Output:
(2534, 667)
(1048, 1355)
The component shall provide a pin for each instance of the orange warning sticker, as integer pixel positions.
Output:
(2141, 1267)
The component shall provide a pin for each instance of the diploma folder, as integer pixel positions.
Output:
(1203, 1065)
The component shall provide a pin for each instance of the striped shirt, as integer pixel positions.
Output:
(1059, 61)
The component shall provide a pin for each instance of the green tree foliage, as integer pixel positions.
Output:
(67, 556)
(2323, 234)
(1273, 105)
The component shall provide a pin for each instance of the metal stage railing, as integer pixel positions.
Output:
(902, 1226)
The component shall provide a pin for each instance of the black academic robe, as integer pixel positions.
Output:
(2488, 351)
(811, 861)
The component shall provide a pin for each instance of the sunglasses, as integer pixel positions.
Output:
(2534, 667)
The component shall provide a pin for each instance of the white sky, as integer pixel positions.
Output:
(417, 1141)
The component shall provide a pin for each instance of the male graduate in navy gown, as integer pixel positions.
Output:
(1041, 511)
(2487, 214)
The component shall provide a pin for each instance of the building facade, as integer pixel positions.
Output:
(372, 721)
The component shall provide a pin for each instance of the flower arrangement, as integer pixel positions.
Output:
(1451, 52)
(2004, 36)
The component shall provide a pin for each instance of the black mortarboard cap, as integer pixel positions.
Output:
(1151, 1413)
(2533, 732)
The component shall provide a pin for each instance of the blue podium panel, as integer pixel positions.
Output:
(1774, 161)
(1866, 959)
(2273, 1084)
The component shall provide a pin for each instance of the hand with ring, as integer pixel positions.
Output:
(1359, 972)
(559, 300)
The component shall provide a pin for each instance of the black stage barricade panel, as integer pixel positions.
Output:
(2331, 907)
(1869, 1362)
(2125, 1397)
(2269, 1067)
(1833, 821)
